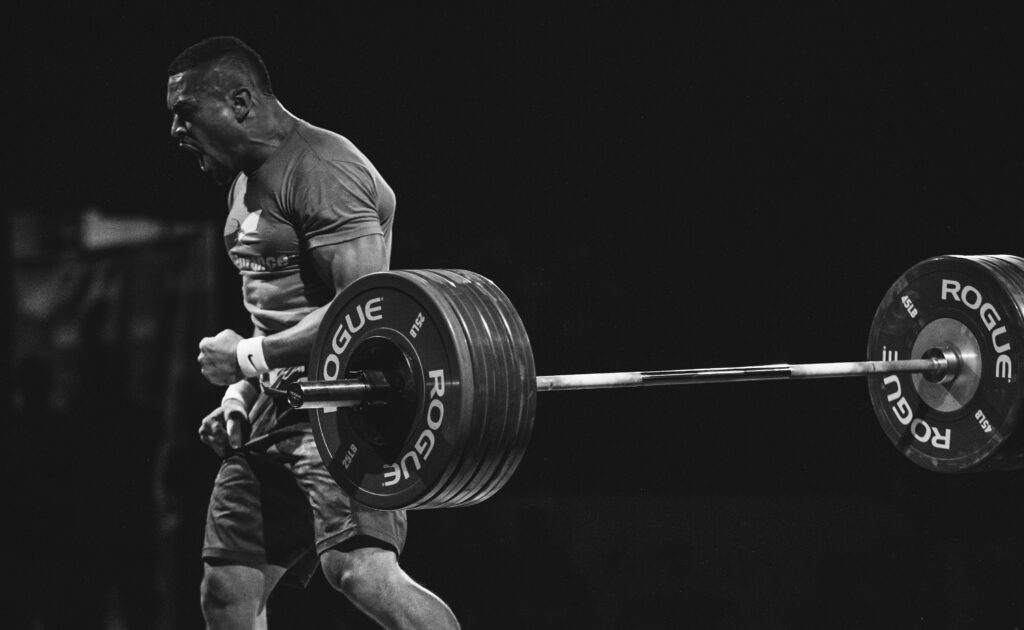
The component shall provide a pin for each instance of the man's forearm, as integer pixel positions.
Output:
(339, 265)
(291, 347)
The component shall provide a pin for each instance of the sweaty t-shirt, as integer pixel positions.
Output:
(317, 189)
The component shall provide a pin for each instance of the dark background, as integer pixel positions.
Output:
(654, 188)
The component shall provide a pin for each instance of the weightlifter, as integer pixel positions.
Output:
(307, 214)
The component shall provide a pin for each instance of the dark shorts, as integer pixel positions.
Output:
(281, 507)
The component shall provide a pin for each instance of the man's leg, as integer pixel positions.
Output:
(371, 578)
(234, 597)
(359, 549)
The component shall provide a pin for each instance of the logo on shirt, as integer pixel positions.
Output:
(264, 263)
(248, 235)
(250, 224)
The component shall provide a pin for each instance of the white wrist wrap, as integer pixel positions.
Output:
(233, 392)
(250, 357)
(243, 392)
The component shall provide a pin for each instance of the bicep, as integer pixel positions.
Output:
(339, 264)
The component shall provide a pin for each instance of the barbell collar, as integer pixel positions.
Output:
(366, 387)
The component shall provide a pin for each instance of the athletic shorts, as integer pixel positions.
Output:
(280, 506)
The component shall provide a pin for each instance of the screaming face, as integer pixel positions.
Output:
(203, 123)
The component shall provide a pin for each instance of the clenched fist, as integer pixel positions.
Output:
(225, 428)
(218, 360)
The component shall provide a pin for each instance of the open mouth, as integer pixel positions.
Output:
(194, 150)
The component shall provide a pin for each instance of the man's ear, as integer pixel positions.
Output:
(241, 103)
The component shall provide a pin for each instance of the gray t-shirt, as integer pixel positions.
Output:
(317, 189)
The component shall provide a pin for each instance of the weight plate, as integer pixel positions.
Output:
(380, 315)
(498, 356)
(508, 432)
(522, 373)
(1011, 453)
(485, 384)
(964, 303)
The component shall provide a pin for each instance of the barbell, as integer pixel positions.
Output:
(423, 387)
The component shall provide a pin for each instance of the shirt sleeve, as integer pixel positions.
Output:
(336, 202)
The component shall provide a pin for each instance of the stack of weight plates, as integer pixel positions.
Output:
(457, 428)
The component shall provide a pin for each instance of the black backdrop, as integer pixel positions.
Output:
(654, 187)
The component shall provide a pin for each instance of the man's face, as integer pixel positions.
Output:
(203, 122)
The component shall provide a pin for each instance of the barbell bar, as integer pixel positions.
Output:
(356, 391)
(422, 384)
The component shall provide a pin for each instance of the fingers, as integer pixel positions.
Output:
(203, 358)
(224, 429)
(235, 422)
(213, 433)
(217, 359)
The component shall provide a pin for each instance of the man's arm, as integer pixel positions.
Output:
(338, 265)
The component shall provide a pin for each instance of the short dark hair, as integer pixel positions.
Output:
(223, 48)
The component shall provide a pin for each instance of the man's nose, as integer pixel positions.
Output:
(177, 128)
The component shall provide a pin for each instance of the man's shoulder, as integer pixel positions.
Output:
(319, 144)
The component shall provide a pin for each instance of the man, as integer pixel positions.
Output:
(308, 214)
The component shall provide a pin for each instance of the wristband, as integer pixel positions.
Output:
(237, 402)
(243, 392)
(250, 357)
(232, 394)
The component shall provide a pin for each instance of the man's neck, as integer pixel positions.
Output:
(268, 131)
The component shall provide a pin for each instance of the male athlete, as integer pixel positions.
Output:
(308, 214)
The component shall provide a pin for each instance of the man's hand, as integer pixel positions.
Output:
(225, 427)
(217, 358)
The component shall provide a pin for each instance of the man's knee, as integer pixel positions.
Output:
(228, 586)
(371, 578)
(360, 572)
